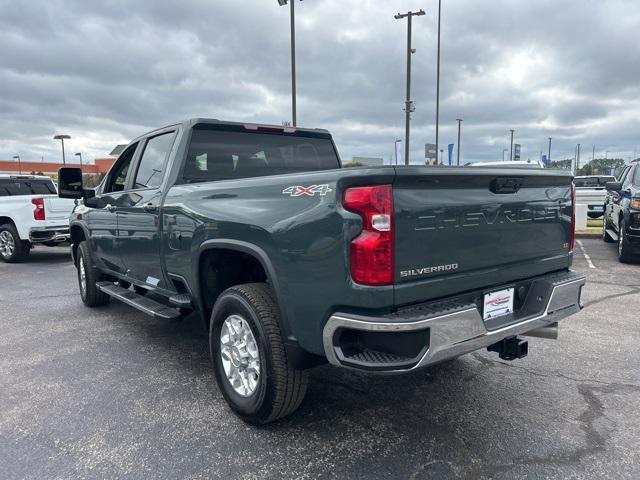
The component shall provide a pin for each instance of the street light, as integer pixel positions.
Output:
(62, 138)
(438, 79)
(408, 104)
(511, 150)
(459, 120)
(79, 154)
(17, 157)
(283, 3)
(395, 148)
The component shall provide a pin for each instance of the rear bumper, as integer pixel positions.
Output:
(425, 334)
(49, 234)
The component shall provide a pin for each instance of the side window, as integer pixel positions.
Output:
(151, 168)
(626, 183)
(118, 176)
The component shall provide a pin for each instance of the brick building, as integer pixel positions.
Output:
(100, 165)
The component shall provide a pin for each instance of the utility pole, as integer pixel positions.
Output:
(577, 158)
(438, 78)
(408, 104)
(549, 155)
(593, 156)
(511, 149)
(459, 120)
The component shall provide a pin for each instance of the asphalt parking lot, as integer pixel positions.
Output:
(110, 393)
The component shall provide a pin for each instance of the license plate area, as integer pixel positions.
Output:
(498, 303)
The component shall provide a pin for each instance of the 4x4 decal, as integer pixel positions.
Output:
(312, 190)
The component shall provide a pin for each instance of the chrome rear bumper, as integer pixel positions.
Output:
(449, 328)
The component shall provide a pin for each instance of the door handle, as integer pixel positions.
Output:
(150, 208)
(110, 208)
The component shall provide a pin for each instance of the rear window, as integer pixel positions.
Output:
(223, 155)
(10, 187)
(593, 181)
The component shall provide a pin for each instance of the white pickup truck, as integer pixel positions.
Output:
(591, 190)
(30, 214)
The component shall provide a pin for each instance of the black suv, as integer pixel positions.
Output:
(622, 213)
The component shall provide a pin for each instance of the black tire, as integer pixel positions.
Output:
(605, 235)
(12, 249)
(91, 296)
(280, 388)
(124, 284)
(624, 249)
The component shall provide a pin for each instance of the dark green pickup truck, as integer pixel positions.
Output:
(292, 261)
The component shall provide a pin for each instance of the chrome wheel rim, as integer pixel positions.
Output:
(7, 244)
(82, 275)
(240, 356)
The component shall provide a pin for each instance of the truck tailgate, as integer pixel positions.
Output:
(459, 229)
(57, 209)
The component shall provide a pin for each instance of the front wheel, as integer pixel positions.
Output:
(624, 248)
(88, 276)
(605, 235)
(249, 357)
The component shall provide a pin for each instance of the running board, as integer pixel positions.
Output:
(612, 234)
(142, 303)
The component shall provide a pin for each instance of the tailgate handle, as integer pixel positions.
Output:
(505, 185)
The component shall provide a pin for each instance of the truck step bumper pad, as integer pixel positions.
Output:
(142, 303)
(429, 333)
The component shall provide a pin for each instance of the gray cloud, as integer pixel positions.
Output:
(107, 71)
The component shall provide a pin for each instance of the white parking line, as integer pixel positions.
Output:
(586, 255)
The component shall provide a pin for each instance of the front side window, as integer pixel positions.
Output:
(224, 155)
(118, 176)
(155, 154)
(628, 178)
(636, 178)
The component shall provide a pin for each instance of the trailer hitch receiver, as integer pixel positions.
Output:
(510, 348)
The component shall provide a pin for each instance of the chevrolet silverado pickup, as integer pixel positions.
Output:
(30, 214)
(291, 261)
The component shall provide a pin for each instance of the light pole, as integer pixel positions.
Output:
(441, 156)
(17, 157)
(438, 79)
(459, 120)
(511, 149)
(577, 158)
(504, 150)
(292, 3)
(79, 154)
(408, 104)
(549, 156)
(62, 138)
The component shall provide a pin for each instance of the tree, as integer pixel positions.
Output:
(564, 164)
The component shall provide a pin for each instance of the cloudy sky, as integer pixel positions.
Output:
(107, 71)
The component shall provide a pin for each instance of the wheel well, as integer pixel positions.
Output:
(4, 220)
(223, 268)
(77, 235)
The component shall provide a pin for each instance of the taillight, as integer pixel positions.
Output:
(38, 212)
(572, 232)
(371, 252)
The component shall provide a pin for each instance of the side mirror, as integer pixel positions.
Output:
(70, 183)
(614, 186)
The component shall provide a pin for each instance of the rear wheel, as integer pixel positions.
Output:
(624, 249)
(88, 276)
(12, 249)
(249, 357)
